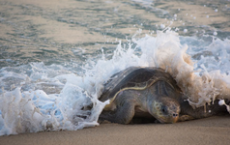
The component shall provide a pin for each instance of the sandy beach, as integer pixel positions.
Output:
(209, 131)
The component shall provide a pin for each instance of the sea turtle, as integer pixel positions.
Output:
(141, 92)
(148, 92)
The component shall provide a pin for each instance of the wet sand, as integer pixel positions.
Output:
(209, 131)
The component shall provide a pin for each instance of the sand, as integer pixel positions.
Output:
(209, 131)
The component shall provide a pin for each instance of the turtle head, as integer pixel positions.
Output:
(165, 109)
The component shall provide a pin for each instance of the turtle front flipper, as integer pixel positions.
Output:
(185, 118)
(123, 115)
(200, 112)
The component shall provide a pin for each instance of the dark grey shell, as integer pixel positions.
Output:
(135, 77)
(164, 86)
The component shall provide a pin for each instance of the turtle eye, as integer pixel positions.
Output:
(164, 110)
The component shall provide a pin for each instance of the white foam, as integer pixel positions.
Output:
(54, 97)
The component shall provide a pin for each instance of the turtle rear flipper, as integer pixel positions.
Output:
(123, 115)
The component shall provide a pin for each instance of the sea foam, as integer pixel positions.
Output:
(37, 97)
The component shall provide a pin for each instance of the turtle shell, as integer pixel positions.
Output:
(135, 78)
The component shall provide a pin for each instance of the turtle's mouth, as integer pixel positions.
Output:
(168, 119)
(175, 119)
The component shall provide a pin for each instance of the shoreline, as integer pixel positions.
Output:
(214, 130)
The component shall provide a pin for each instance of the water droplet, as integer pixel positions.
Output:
(214, 33)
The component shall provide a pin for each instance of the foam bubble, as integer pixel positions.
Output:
(221, 102)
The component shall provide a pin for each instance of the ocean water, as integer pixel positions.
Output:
(55, 56)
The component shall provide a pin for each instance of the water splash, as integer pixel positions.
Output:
(39, 97)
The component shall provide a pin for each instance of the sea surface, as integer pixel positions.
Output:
(56, 55)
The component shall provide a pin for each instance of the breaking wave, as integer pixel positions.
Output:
(38, 97)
